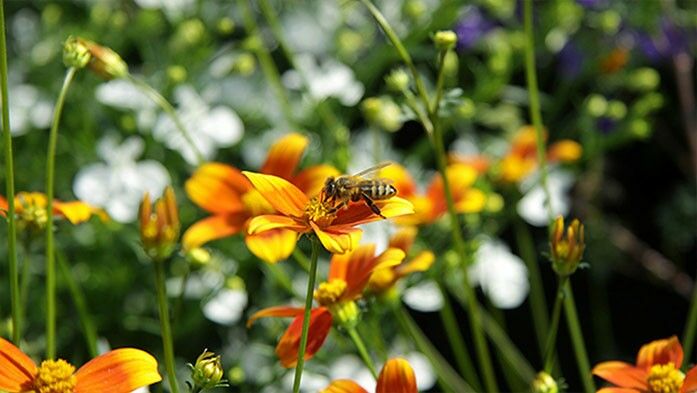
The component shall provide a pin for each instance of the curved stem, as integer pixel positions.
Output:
(78, 296)
(362, 351)
(554, 326)
(50, 253)
(162, 102)
(165, 328)
(577, 340)
(9, 187)
(306, 316)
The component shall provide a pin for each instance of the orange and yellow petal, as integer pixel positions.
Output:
(420, 263)
(217, 188)
(119, 371)
(404, 238)
(480, 163)
(280, 193)
(622, 374)
(289, 344)
(285, 155)
(311, 180)
(660, 352)
(276, 311)
(360, 270)
(396, 376)
(337, 239)
(17, 370)
(77, 212)
(255, 204)
(213, 228)
(618, 390)
(344, 386)
(360, 213)
(268, 222)
(3, 204)
(471, 201)
(401, 179)
(565, 151)
(689, 384)
(272, 246)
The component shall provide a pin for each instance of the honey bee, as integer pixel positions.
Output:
(353, 188)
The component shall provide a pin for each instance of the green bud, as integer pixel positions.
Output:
(467, 109)
(176, 73)
(640, 128)
(236, 375)
(245, 64)
(207, 373)
(450, 64)
(414, 9)
(198, 257)
(616, 110)
(445, 39)
(225, 25)
(644, 79)
(610, 21)
(596, 105)
(494, 203)
(544, 383)
(75, 53)
(648, 103)
(397, 81)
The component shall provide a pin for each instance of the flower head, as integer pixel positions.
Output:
(119, 371)
(159, 228)
(103, 61)
(544, 383)
(30, 209)
(566, 252)
(207, 373)
(657, 370)
(396, 376)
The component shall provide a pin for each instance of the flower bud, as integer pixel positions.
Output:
(105, 62)
(398, 80)
(75, 53)
(544, 383)
(445, 39)
(566, 252)
(207, 373)
(596, 105)
(198, 257)
(159, 229)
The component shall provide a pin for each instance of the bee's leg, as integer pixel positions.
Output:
(337, 207)
(372, 205)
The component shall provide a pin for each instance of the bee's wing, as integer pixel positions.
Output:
(371, 171)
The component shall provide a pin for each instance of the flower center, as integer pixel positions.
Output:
(55, 376)
(665, 378)
(319, 212)
(329, 292)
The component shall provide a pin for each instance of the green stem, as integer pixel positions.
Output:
(688, 337)
(180, 299)
(457, 342)
(362, 351)
(576, 334)
(78, 296)
(50, 252)
(306, 315)
(534, 93)
(9, 187)
(554, 326)
(165, 329)
(162, 102)
(439, 82)
(301, 259)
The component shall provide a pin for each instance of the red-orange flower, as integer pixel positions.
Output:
(224, 192)
(119, 371)
(657, 370)
(30, 209)
(348, 276)
(396, 376)
(335, 229)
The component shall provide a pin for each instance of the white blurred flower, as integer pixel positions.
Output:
(226, 306)
(532, 206)
(328, 78)
(310, 383)
(28, 109)
(351, 367)
(174, 9)
(501, 274)
(424, 297)
(142, 390)
(425, 376)
(118, 184)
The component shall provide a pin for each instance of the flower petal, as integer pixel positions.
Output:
(3, 205)
(289, 344)
(470, 201)
(77, 212)
(284, 155)
(311, 180)
(401, 179)
(361, 268)
(420, 263)
(281, 194)
(622, 374)
(619, 390)
(213, 228)
(16, 369)
(396, 376)
(268, 222)
(343, 386)
(360, 213)
(689, 384)
(277, 311)
(660, 352)
(217, 188)
(565, 151)
(119, 371)
(272, 246)
(338, 239)
(404, 238)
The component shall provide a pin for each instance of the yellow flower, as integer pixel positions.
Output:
(396, 376)
(566, 252)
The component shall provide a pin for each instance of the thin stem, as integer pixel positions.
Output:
(9, 187)
(554, 326)
(180, 299)
(165, 328)
(535, 113)
(688, 337)
(577, 340)
(306, 315)
(301, 259)
(362, 351)
(162, 102)
(439, 82)
(88, 330)
(50, 253)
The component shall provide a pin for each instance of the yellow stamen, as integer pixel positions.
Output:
(665, 378)
(319, 212)
(55, 376)
(329, 292)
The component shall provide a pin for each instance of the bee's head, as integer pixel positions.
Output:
(330, 186)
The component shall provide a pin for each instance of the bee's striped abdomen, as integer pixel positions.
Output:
(378, 190)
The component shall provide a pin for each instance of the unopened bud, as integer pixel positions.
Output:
(159, 229)
(207, 373)
(398, 80)
(544, 383)
(75, 53)
(104, 61)
(198, 257)
(566, 251)
(445, 39)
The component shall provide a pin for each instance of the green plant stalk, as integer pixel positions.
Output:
(78, 296)
(306, 315)
(554, 326)
(50, 248)
(162, 102)
(9, 187)
(576, 334)
(535, 113)
(301, 259)
(448, 379)
(439, 83)
(362, 351)
(457, 342)
(513, 380)
(688, 337)
(165, 328)
(372, 325)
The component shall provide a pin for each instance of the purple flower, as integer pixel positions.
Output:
(669, 41)
(471, 28)
(605, 124)
(570, 60)
(592, 4)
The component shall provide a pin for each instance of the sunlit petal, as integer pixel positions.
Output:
(565, 151)
(16, 368)
(311, 180)
(217, 188)
(119, 371)
(272, 246)
(396, 376)
(77, 212)
(338, 239)
(420, 263)
(660, 352)
(622, 374)
(277, 311)
(284, 155)
(289, 344)
(281, 194)
(470, 201)
(268, 222)
(689, 384)
(404, 238)
(360, 213)
(400, 178)
(363, 263)
(619, 390)
(212, 228)
(344, 386)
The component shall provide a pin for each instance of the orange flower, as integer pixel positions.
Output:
(657, 370)
(431, 206)
(119, 371)
(396, 376)
(224, 192)
(335, 229)
(384, 279)
(30, 208)
(348, 276)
